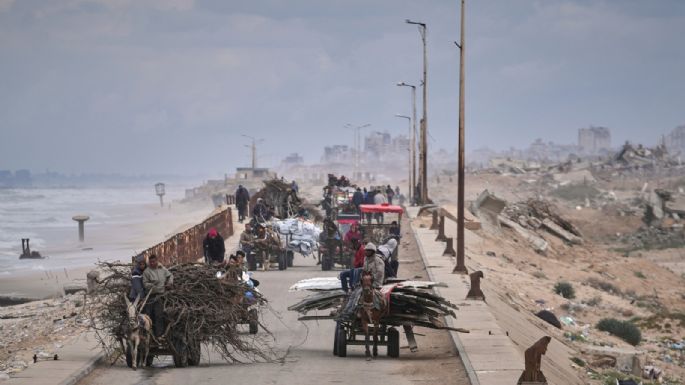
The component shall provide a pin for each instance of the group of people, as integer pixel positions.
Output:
(150, 280)
(260, 241)
(363, 250)
(376, 195)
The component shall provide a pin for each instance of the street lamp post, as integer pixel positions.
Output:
(412, 178)
(409, 169)
(254, 149)
(461, 267)
(423, 146)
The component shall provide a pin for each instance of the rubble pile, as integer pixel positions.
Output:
(664, 221)
(527, 218)
(650, 237)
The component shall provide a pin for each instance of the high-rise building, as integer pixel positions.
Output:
(594, 140)
(675, 140)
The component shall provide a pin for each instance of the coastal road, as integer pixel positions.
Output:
(304, 350)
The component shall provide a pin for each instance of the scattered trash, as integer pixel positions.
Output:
(568, 321)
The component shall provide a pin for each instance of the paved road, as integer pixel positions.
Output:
(305, 350)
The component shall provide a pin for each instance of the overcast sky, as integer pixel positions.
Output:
(169, 86)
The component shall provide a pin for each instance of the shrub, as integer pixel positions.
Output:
(578, 361)
(565, 290)
(604, 286)
(640, 275)
(625, 330)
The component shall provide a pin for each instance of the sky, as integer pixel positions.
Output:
(170, 86)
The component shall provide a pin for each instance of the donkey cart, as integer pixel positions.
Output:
(184, 350)
(351, 333)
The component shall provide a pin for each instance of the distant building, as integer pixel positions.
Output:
(384, 147)
(594, 140)
(292, 160)
(675, 140)
(338, 153)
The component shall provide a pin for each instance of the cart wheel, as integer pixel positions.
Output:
(335, 339)
(251, 262)
(291, 258)
(393, 343)
(282, 264)
(180, 355)
(194, 354)
(326, 263)
(341, 345)
(253, 323)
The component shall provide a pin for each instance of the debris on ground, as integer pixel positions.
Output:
(38, 328)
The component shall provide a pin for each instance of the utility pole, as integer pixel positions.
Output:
(461, 267)
(412, 141)
(423, 140)
(253, 147)
(409, 170)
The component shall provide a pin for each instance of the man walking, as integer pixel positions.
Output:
(242, 198)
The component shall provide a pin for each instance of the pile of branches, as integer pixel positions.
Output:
(198, 306)
(420, 307)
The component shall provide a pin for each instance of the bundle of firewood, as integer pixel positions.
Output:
(199, 306)
(410, 302)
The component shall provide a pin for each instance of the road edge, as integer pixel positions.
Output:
(463, 355)
(84, 370)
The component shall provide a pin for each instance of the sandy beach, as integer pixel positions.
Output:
(137, 227)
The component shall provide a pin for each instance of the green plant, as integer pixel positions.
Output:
(640, 275)
(578, 361)
(603, 285)
(565, 290)
(625, 330)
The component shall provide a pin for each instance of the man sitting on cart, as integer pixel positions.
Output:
(373, 264)
(247, 239)
(350, 278)
(156, 279)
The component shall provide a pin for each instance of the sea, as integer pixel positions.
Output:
(44, 215)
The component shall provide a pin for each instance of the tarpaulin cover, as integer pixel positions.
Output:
(383, 208)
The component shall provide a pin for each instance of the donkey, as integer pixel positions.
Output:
(373, 307)
(140, 329)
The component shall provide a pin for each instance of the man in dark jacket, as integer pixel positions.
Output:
(242, 197)
(137, 288)
(357, 198)
(214, 248)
